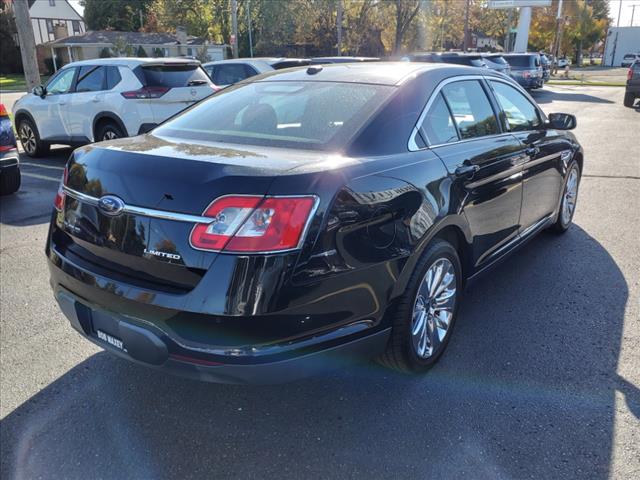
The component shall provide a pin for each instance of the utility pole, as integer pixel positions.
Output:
(27, 44)
(234, 27)
(339, 26)
(633, 11)
(249, 27)
(466, 26)
(557, 40)
(507, 36)
(619, 13)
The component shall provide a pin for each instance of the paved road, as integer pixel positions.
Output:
(542, 378)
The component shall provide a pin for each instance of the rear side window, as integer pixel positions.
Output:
(520, 112)
(113, 77)
(438, 124)
(91, 79)
(231, 73)
(173, 76)
(312, 115)
(471, 109)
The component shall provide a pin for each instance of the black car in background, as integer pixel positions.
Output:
(9, 165)
(632, 90)
(495, 61)
(469, 59)
(306, 217)
(526, 69)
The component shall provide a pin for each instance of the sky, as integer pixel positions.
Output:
(614, 8)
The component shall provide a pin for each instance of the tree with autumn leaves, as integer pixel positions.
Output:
(370, 27)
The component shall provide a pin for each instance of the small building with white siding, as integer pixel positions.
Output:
(52, 19)
(619, 42)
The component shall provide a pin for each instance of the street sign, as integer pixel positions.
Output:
(518, 3)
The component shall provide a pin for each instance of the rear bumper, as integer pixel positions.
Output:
(9, 160)
(633, 88)
(145, 344)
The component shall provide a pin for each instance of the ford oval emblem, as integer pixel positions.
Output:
(111, 205)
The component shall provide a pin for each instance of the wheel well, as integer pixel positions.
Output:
(102, 120)
(21, 116)
(456, 238)
(580, 160)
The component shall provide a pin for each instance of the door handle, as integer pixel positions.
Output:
(532, 151)
(466, 170)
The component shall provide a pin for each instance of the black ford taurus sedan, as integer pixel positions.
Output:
(305, 217)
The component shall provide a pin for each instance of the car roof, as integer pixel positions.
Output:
(134, 62)
(378, 73)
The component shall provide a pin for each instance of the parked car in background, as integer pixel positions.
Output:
(107, 98)
(228, 72)
(9, 164)
(629, 58)
(545, 63)
(307, 217)
(469, 59)
(495, 61)
(563, 62)
(632, 90)
(526, 69)
(326, 60)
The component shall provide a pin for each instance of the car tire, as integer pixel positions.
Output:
(418, 322)
(10, 181)
(109, 131)
(569, 199)
(629, 99)
(30, 139)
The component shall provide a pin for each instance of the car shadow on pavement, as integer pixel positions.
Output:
(548, 96)
(526, 389)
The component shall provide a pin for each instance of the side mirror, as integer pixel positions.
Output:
(40, 91)
(562, 121)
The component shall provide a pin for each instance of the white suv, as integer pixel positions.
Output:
(107, 98)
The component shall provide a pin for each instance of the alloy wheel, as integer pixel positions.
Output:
(570, 196)
(433, 308)
(109, 135)
(28, 138)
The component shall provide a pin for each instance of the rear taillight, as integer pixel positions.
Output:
(145, 92)
(6, 148)
(253, 224)
(58, 201)
(630, 74)
(3, 111)
(526, 74)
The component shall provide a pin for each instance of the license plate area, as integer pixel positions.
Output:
(111, 340)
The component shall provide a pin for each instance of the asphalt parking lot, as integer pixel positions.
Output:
(541, 380)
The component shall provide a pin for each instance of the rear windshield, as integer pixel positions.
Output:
(520, 60)
(173, 76)
(462, 60)
(309, 115)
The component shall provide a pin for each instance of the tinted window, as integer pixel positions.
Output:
(90, 79)
(471, 109)
(498, 59)
(520, 113)
(113, 77)
(314, 115)
(230, 73)
(520, 60)
(61, 83)
(438, 125)
(173, 76)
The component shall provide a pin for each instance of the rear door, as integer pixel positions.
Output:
(542, 167)
(175, 87)
(87, 100)
(462, 129)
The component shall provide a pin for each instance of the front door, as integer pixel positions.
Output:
(485, 162)
(50, 112)
(542, 168)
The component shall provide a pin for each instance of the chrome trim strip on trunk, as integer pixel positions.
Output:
(146, 212)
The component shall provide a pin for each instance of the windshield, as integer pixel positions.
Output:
(311, 115)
